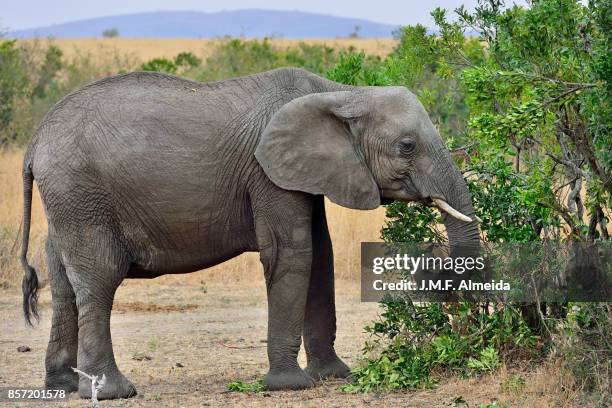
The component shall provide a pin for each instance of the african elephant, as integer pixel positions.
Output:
(145, 174)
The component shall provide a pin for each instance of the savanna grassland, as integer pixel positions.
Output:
(146, 49)
(524, 107)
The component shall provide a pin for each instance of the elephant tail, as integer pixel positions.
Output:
(29, 285)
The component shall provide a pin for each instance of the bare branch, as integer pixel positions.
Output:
(464, 148)
(96, 385)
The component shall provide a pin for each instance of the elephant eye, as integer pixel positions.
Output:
(407, 146)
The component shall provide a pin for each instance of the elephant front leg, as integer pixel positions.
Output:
(320, 318)
(287, 280)
(285, 248)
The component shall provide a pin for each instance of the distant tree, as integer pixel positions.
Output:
(355, 32)
(159, 65)
(13, 83)
(48, 71)
(187, 59)
(110, 33)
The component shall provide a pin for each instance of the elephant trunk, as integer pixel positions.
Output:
(462, 226)
(463, 237)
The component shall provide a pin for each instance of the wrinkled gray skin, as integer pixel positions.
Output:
(147, 174)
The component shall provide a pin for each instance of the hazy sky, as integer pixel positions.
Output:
(35, 13)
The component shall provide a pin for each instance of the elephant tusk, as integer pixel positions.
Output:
(443, 205)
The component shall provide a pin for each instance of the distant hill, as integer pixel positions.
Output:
(193, 24)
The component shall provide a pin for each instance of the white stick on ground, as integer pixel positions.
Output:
(96, 385)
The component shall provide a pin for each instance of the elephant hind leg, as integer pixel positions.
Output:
(62, 349)
(96, 265)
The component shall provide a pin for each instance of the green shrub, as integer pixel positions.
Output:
(506, 121)
(411, 223)
(237, 57)
(487, 361)
(159, 65)
(243, 386)
(48, 72)
(530, 118)
(35, 75)
(181, 64)
(514, 384)
(187, 59)
(412, 341)
(357, 69)
(491, 405)
(586, 348)
(13, 86)
(317, 58)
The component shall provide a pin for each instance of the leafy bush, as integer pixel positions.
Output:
(487, 361)
(180, 64)
(35, 75)
(243, 386)
(527, 120)
(187, 59)
(411, 223)
(236, 57)
(415, 341)
(159, 65)
(357, 69)
(48, 72)
(13, 85)
(508, 202)
(514, 384)
(586, 348)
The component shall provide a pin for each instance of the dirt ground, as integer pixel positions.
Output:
(181, 344)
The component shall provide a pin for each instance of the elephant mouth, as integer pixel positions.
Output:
(410, 193)
(435, 201)
(439, 203)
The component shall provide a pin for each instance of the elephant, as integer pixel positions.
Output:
(145, 174)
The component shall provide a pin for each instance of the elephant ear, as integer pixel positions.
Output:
(308, 146)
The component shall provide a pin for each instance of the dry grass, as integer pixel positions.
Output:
(215, 330)
(11, 215)
(145, 49)
(348, 229)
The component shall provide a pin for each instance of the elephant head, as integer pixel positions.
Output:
(364, 146)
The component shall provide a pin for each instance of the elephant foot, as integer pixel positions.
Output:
(293, 379)
(67, 381)
(321, 369)
(116, 386)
